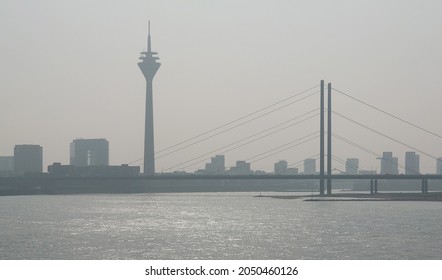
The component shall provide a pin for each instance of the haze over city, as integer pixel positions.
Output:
(69, 71)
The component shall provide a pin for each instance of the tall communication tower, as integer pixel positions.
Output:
(149, 66)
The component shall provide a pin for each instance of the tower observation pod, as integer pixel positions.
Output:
(149, 67)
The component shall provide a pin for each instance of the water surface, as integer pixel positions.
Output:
(215, 226)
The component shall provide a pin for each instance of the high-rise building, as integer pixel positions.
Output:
(89, 152)
(389, 164)
(310, 166)
(28, 159)
(352, 166)
(439, 166)
(411, 163)
(280, 167)
(216, 165)
(241, 168)
(149, 66)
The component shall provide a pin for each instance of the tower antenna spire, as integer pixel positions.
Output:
(149, 67)
(149, 49)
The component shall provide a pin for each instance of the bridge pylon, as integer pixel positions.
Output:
(329, 140)
(321, 142)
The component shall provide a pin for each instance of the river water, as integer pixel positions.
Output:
(215, 226)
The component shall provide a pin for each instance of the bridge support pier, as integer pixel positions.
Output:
(375, 185)
(371, 186)
(424, 185)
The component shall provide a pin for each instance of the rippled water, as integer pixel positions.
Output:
(215, 226)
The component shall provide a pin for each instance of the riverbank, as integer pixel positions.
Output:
(431, 196)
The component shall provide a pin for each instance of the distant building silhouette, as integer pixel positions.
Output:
(149, 66)
(124, 170)
(291, 171)
(280, 167)
(28, 159)
(216, 165)
(89, 152)
(352, 166)
(310, 166)
(6, 165)
(367, 172)
(411, 163)
(389, 164)
(439, 166)
(258, 172)
(241, 168)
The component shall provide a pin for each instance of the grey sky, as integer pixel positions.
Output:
(69, 70)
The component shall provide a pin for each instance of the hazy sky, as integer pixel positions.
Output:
(69, 70)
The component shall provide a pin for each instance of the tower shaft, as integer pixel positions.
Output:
(149, 147)
(149, 67)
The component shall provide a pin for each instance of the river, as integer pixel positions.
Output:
(215, 226)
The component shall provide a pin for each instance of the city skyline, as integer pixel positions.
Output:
(86, 90)
(95, 153)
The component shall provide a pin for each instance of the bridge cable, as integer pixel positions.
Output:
(389, 114)
(251, 136)
(241, 118)
(285, 149)
(234, 121)
(228, 129)
(236, 147)
(301, 162)
(383, 134)
(378, 156)
(364, 172)
(290, 147)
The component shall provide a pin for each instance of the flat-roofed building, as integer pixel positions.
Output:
(28, 159)
(241, 168)
(411, 163)
(310, 166)
(89, 152)
(352, 166)
(216, 166)
(389, 164)
(280, 167)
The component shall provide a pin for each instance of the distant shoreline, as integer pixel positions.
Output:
(432, 196)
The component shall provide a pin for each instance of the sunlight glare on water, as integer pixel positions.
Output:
(215, 226)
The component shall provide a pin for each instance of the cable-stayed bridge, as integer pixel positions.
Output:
(326, 139)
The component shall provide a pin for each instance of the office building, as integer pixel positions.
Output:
(216, 165)
(280, 167)
(310, 166)
(28, 159)
(389, 164)
(89, 152)
(411, 163)
(149, 66)
(352, 166)
(241, 168)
